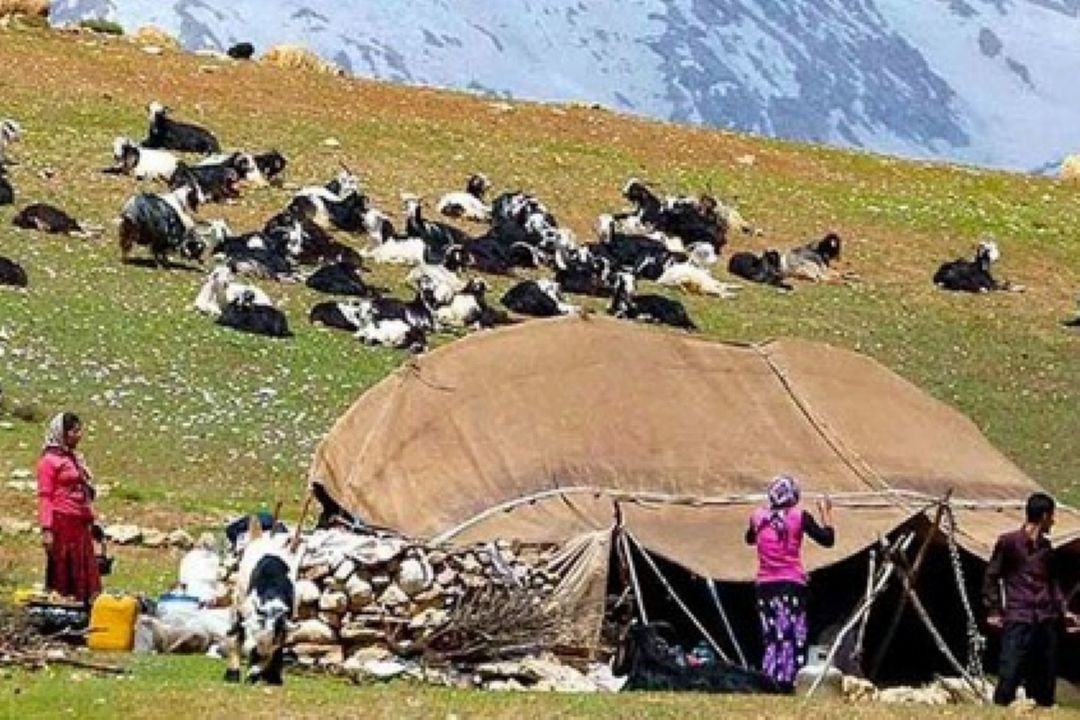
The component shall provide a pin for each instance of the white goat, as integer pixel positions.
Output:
(143, 163)
(220, 289)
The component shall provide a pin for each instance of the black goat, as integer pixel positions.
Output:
(241, 51)
(337, 315)
(647, 308)
(217, 181)
(766, 269)
(45, 218)
(246, 315)
(272, 166)
(437, 236)
(166, 133)
(583, 273)
(7, 192)
(340, 279)
(12, 273)
(537, 298)
(971, 276)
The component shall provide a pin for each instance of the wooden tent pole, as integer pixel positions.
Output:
(886, 571)
(639, 598)
(898, 614)
(727, 623)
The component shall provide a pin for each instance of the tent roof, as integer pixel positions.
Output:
(572, 413)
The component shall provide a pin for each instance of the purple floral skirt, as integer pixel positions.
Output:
(782, 608)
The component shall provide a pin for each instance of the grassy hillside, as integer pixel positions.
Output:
(189, 422)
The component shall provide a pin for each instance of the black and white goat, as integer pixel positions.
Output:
(537, 298)
(162, 222)
(395, 323)
(347, 315)
(47, 219)
(340, 279)
(689, 274)
(249, 254)
(437, 236)
(168, 134)
(12, 273)
(581, 272)
(247, 315)
(470, 204)
(220, 289)
(7, 192)
(264, 602)
(218, 179)
(142, 163)
(469, 308)
(441, 278)
(338, 204)
(812, 260)
(391, 248)
(647, 308)
(971, 276)
(271, 168)
(11, 132)
(767, 269)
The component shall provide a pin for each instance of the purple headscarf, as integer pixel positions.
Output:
(783, 493)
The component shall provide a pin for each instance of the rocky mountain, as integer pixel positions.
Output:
(988, 82)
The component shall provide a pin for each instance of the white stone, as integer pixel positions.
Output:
(123, 534)
(180, 539)
(359, 591)
(11, 526)
(312, 631)
(333, 602)
(154, 538)
(307, 592)
(414, 576)
(393, 596)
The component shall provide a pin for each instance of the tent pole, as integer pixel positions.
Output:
(678, 601)
(727, 623)
(894, 624)
(886, 571)
(625, 551)
(860, 640)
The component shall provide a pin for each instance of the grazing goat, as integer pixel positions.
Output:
(812, 261)
(162, 222)
(340, 279)
(220, 289)
(337, 315)
(263, 605)
(767, 269)
(537, 298)
(247, 315)
(10, 133)
(241, 51)
(45, 218)
(971, 276)
(647, 308)
(12, 273)
(7, 192)
(469, 204)
(168, 134)
(142, 163)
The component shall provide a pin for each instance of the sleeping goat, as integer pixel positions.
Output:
(469, 204)
(142, 163)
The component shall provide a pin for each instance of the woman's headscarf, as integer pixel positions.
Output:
(783, 493)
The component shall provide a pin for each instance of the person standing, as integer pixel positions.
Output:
(65, 512)
(777, 531)
(1024, 600)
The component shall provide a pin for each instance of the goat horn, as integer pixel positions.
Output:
(346, 168)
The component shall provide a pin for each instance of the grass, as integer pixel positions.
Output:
(189, 424)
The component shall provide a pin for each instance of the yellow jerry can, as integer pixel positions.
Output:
(112, 622)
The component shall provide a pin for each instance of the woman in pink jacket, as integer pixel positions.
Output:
(778, 531)
(65, 513)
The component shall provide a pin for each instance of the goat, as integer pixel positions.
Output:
(241, 51)
(629, 252)
(469, 308)
(442, 279)
(812, 260)
(142, 163)
(7, 192)
(338, 315)
(581, 272)
(340, 279)
(391, 248)
(163, 222)
(537, 298)
(11, 132)
(263, 605)
(306, 242)
(45, 218)
(971, 276)
(469, 204)
(220, 289)
(768, 269)
(395, 323)
(271, 166)
(249, 254)
(392, 332)
(646, 308)
(686, 274)
(246, 315)
(338, 204)
(219, 181)
(12, 273)
(437, 236)
(168, 134)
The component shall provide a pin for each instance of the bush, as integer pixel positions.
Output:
(101, 25)
(27, 8)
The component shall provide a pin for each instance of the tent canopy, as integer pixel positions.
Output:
(531, 432)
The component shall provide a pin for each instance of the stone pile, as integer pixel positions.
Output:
(943, 691)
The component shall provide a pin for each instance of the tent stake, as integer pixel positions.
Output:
(727, 623)
(894, 624)
(886, 571)
(678, 601)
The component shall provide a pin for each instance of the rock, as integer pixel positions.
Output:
(331, 142)
(505, 686)
(359, 668)
(379, 551)
(154, 538)
(857, 690)
(931, 695)
(359, 592)
(180, 539)
(393, 596)
(307, 592)
(20, 474)
(312, 631)
(152, 49)
(123, 534)
(326, 654)
(446, 577)
(747, 160)
(414, 576)
(553, 675)
(360, 633)
(428, 619)
(315, 572)
(333, 601)
(344, 570)
(11, 526)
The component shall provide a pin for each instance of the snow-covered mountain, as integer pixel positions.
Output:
(989, 82)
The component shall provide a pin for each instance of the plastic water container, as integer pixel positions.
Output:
(173, 603)
(112, 623)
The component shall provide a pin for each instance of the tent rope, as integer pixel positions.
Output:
(674, 596)
(727, 623)
(624, 549)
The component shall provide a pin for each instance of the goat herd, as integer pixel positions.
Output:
(671, 241)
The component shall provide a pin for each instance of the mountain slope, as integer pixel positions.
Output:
(979, 81)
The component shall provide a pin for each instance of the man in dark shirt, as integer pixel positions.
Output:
(1032, 609)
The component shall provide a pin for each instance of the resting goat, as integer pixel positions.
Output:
(46, 218)
(142, 163)
(168, 134)
(12, 273)
(247, 315)
(469, 204)
(221, 288)
(812, 261)
(469, 308)
(10, 133)
(647, 308)
(7, 192)
(537, 298)
(768, 269)
(339, 204)
(972, 276)
(338, 315)
(249, 254)
(340, 279)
